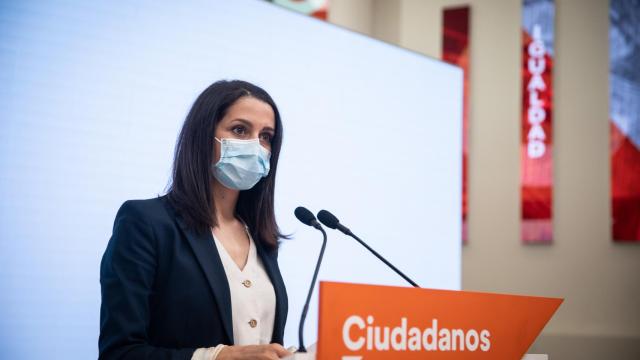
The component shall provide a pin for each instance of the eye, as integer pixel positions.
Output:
(266, 137)
(239, 130)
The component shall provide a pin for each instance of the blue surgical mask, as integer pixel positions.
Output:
(242, 163)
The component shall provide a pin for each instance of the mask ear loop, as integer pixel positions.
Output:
(221, 148)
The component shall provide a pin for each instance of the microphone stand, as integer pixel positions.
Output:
(302, 349)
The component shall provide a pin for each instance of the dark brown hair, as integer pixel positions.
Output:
(190, 190)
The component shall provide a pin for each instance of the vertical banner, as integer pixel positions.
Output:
(624, 117)
(537, 111)
(455, 50)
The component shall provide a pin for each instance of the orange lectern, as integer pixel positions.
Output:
(371, 322)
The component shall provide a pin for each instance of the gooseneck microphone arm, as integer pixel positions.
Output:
(313, 282)
(384, 260)
(329, 220)
(307, 218)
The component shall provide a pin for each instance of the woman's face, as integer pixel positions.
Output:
(248, 118)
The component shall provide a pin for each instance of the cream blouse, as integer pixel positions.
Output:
(253, 300)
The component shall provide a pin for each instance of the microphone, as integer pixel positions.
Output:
(306, 217)
(329, 220)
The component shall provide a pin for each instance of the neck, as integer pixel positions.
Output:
(225, 201)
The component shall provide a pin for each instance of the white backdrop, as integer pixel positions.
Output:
(93, 96)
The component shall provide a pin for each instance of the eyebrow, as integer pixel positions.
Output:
(250, 124)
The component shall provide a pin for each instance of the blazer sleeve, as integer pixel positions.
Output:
(127, 274)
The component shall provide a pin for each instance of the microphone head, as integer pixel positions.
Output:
(304, 215)
(328, 219)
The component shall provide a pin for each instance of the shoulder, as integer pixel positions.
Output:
(140, 225)
(149, 211)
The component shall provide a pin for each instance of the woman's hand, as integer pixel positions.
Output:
(258, 352)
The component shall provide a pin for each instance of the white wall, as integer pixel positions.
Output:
(354, 14)
(598, 279)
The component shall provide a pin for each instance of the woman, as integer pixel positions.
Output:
(194, 274)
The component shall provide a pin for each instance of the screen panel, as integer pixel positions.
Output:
(93, 98)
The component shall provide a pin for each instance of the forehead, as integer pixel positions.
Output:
(253, 110)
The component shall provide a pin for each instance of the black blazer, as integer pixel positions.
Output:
(164, 289)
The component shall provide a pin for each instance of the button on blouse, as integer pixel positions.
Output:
(253, 299)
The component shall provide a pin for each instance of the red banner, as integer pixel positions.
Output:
(455, 50)
(624, 115)
(537, 111)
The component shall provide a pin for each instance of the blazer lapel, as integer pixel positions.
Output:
(271, 268)
(209, 258)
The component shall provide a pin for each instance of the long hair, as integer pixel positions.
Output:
(190, 191)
